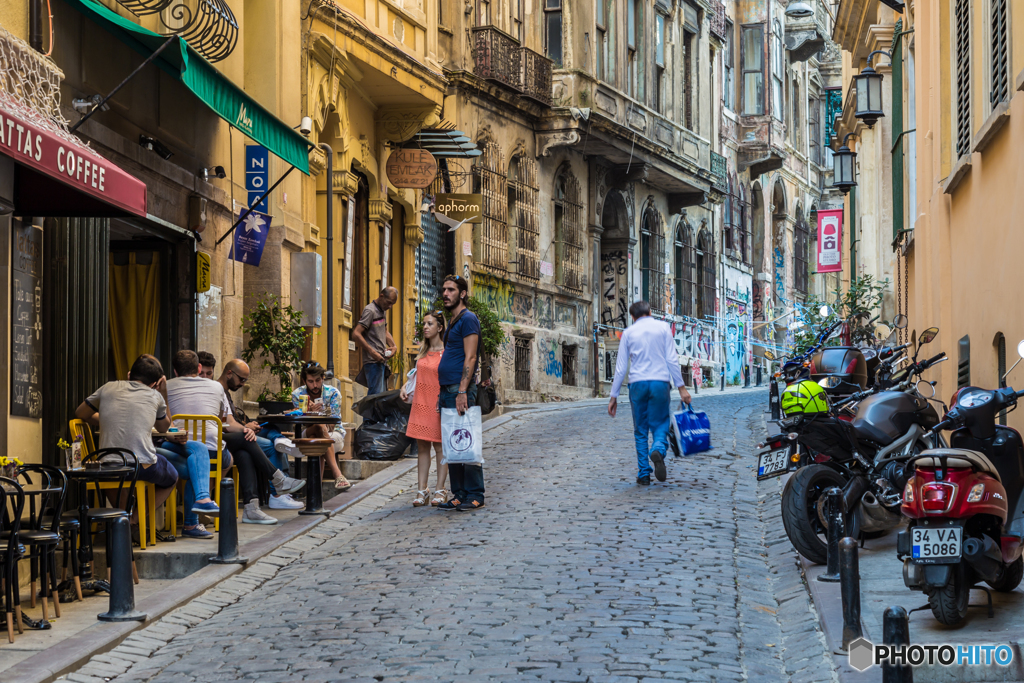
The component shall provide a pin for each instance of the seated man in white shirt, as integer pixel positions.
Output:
(648, 351)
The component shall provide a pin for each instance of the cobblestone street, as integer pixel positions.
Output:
(571, 573)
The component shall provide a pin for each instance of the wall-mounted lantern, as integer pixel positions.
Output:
(869, 92)
(844, 167)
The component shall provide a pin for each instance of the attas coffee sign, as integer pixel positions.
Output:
(414, 168)
(830, 241)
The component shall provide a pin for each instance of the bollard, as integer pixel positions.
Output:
(122, 585)
(896, 631)
(227, 540)
(849, 572)
(773, 398)
(723, 379)
(758, 375)
(834, 510)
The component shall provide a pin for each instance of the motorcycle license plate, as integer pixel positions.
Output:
(772, 464)
(932, 545)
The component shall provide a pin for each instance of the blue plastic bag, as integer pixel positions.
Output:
(692, 430)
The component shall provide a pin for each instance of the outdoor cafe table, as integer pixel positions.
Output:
(83, 477)
(314, 486)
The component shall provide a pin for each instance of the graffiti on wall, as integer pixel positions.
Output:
(565, 315)
(735, 341)
(694, 341)
(496, 294)
(614, 288)
(780, 275)
(544, 311)
(758, 300)
(522, 307)
(582, 316)
(551, 359)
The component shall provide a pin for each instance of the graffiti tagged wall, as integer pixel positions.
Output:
(614, 288)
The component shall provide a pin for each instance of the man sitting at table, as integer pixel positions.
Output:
(190, 394)
(275, 445)
(125, 411)
(326, 399)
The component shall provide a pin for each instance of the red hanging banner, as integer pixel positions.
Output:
(830, 241)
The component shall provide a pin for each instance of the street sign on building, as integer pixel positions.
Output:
(202, 272)
(257, 175)
(413, 168)
(830, 241)
(461, 208)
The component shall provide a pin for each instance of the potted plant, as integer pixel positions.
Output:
(275, 334)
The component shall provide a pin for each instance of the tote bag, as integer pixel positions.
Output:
(692, 430)
(461, 437)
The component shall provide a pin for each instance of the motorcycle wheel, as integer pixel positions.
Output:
(1011, 577)
(800, 517)
(949, 603)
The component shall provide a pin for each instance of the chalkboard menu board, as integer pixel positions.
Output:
(26, 320)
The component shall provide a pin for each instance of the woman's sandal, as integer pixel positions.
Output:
(440, 496)
(421, 498)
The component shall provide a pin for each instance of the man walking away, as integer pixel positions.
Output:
(457, 376)
(372, 335)
(649, 351)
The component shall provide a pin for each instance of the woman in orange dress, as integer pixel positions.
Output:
(424, 419)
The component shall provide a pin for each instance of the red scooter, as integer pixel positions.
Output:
(965, 506)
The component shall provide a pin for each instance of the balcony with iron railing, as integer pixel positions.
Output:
(499, 57)
(720, 172)
(716, 18)
(536, 75)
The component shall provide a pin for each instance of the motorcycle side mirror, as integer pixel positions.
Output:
(825, 311)
(882, 331)
(771, 356)
(1020, 352)
(900, 322)
(927, 336)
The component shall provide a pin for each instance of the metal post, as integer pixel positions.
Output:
(834, 512)
(122, 584)
(330, 258)
(746, 376)
(227, 539)
(849, 572)
(773, 398)
(723, 378)
(896, 631)
(758, 374)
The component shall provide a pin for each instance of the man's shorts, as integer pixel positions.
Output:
(161, 473)
(339, 441)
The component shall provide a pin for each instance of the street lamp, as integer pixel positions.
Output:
(869, 92)
(844, 167)
(799, 10)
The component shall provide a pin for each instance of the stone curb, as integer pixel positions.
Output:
(72, 656)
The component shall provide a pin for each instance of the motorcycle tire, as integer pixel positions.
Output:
(949, 603)
(1011, 577)
(800, 517)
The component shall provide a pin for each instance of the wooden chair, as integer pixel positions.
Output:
(145, 492)
(196, 427)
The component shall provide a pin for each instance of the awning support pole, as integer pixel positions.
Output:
(254, 204)
(123, 83)
(330, 258)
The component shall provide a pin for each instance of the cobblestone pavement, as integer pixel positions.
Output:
(571, 573)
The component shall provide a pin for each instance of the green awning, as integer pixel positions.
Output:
(211, 86)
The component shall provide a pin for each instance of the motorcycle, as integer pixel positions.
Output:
(965, 505)
(864, 456)
(797, 368)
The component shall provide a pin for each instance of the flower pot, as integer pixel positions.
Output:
(275, 407)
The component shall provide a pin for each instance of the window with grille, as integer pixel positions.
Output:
(569, 354)
(1000, 52)
(683, 253)
(739, 209)
(522, 364)
(524, 217)
(652, 255)
(962, 19)
(801, 241)
(814, 129)
(752, 63)
(489, 180)
(569, 231)
(778, 57)
(705, 275)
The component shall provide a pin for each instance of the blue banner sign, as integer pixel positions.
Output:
(257, 175)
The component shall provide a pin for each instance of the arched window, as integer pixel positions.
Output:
(684, 270)
(569, 231)
(778, 69)
(489, 180)
(705, 275)
(524, 217)
(652, 255)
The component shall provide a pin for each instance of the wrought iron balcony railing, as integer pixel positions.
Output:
(536, 75)
(719, 170)
(716, 18)
(496, 56)
(209, 26)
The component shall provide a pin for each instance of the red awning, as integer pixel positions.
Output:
(57, 175)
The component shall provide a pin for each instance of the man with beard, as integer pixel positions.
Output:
(371, 333)
(324, 398)
(457, 374)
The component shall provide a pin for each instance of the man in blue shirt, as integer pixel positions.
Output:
(649, 352)
(456, 375)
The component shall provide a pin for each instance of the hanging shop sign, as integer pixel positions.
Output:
(456, 209)
(414, 168)
(257, 175)
(250, 238)
(830, 241)
(202, 272)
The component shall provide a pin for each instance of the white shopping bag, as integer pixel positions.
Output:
(462, 437)
(410, 386)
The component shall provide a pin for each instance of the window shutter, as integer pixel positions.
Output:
(897, 134)
(963, 367)
(1000, 50)
(963, 77)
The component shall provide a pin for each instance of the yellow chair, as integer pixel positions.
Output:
(145, 492)
(195, 427)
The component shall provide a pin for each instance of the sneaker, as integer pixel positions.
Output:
(284, 502)
(207, 508)
(284, 484)
(284, 445)
(470, 506)
(643, 481)
(198, 531)
(450, 505)
(252, 514)
(658, 460)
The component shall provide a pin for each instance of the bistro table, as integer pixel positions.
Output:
(314, 485)
(83, 477)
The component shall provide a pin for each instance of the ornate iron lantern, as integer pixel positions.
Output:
(844, 167)
(869, 93)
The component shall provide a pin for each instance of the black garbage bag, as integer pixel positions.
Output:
(377, 407)
(385, 440)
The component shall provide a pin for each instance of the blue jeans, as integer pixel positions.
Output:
(467, 481)
(265, 440)
(649, 402)
(192, 461)
(376, 380)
